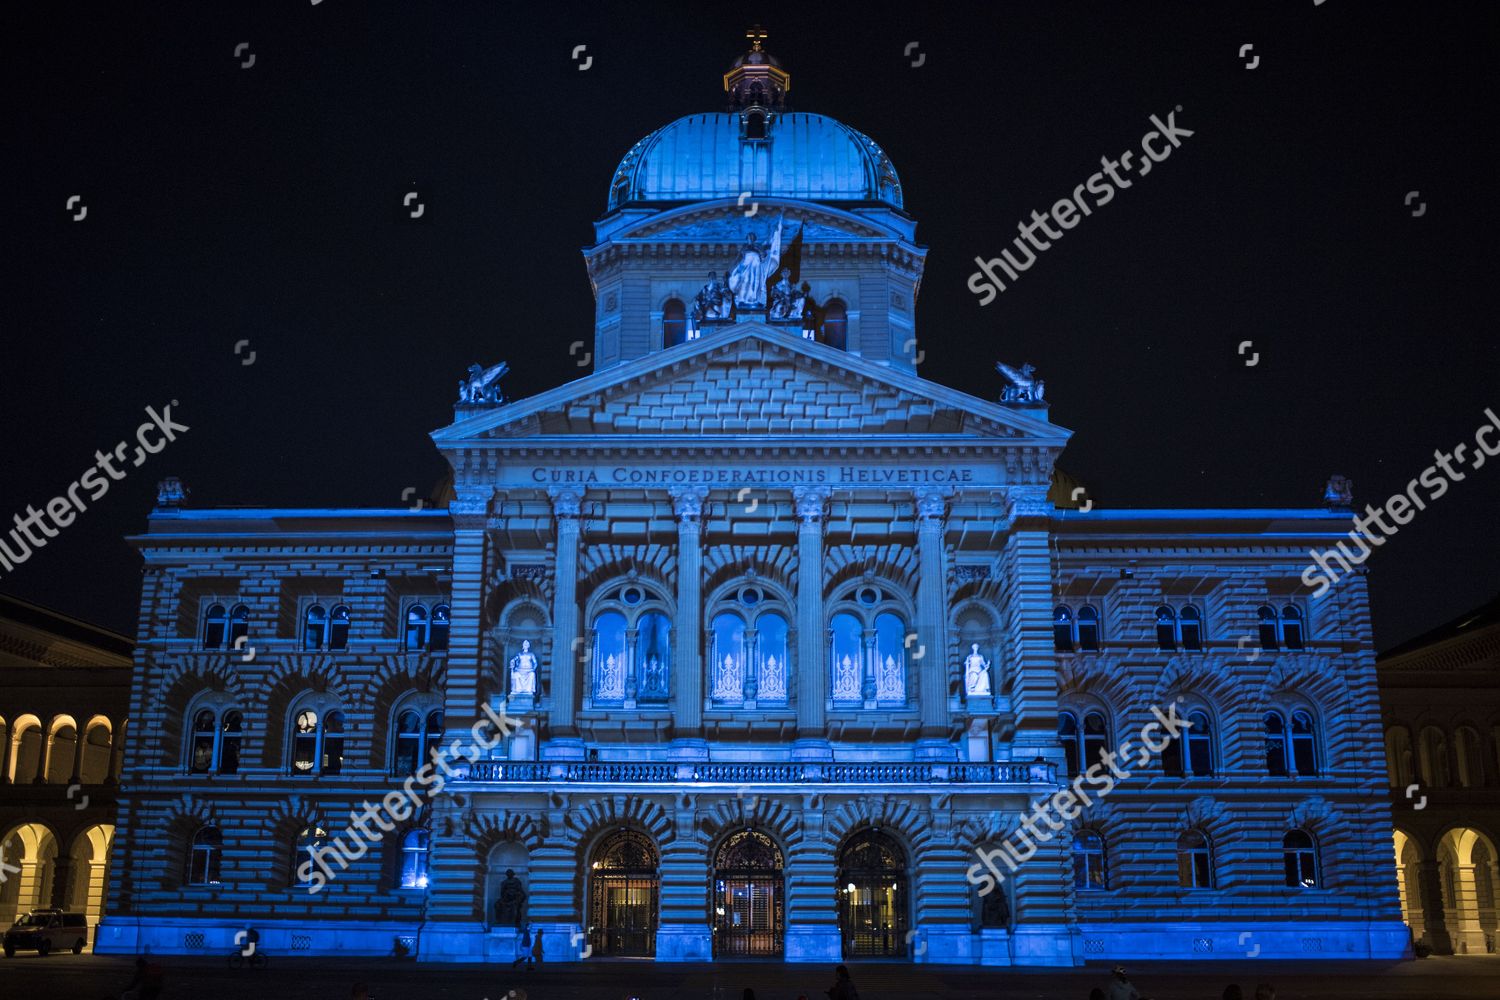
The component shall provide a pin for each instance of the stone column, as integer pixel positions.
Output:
(566, 656)
(116, 751)
(5, 754)
(687, 672)
(43, 751)
(812, 670)
(932, 633)
(1430, 883)
(77, 777)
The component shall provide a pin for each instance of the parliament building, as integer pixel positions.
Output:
(753, 642)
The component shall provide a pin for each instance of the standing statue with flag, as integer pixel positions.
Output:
(757, 263)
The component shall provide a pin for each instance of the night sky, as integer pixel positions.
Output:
(266, 205)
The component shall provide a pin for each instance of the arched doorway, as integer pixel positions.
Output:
(623, 890)
(32, 849)
(90, 872)
(872, 891)
(1467, 870)
(1408, 883)
(748, 897)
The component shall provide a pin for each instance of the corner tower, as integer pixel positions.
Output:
(756, 213)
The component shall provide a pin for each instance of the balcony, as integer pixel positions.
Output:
(756, 773)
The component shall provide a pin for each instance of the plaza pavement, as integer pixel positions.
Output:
(89, 977)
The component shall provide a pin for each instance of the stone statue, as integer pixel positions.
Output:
(713, 301)
(757, 263)
(1024, 387)
(802, 304)
(483, 384)
(510, 908)
(782, 296)
(1339, 492)
(976, 673)
(523, 671)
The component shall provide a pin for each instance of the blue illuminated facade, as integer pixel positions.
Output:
(797, 639)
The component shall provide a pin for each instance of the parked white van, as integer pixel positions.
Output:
(47, 930)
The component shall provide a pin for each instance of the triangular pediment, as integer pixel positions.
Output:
(753, 381)
(719, 222)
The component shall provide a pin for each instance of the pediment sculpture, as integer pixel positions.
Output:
(482, 384)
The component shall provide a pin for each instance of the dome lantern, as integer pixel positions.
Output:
(756, 84)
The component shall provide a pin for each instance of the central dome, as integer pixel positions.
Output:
(783, 154)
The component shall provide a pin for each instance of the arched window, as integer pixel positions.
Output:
(771, 674)
(215, 742)
(1089, 870)
(1190, 628)
(1069, 736)
(728, 673)
(1280, 630)
(205, 736)
(1291, 748)
(1398, 756)
(215, 625)
(414, 859)
(1291, 627)
(311, 843)
(1469, 756)
(1176, 628)
(317, 743)
(315, 627)
(609, 657)
(204, 856)
(836, 324)
(437, 640)
(1088, 629)
(416, 627)
(1191, 755)
(653, 651)
(1166, 628)
(890, 660)
(1082, 747)
(1299, 857)
(1195, 868)
(673, 323)
(338, 628)
(1432, 757)
(1275, 744)
(848, 658)
(1062, 629)
(1304, 744)
(239, 624)
(408, 743)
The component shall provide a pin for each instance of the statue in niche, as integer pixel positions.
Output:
(994, 909)
(976, 673)
(757, 263)
(523, 671)
(510, 907)
(782, 297)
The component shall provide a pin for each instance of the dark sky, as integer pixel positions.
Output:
(265, 204)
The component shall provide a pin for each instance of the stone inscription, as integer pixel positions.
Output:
(845, 475)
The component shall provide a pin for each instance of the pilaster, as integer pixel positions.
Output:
(566, 506)
(932, 642)
(812, 672)
(687, 672)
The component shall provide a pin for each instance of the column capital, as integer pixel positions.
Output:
(566, 501)
(471, 503)
(1027, 501)
(687, 502)
(932, 504)
(811, 503)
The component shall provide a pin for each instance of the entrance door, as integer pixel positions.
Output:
(748, 897)
(623, 890)
(872, 890)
